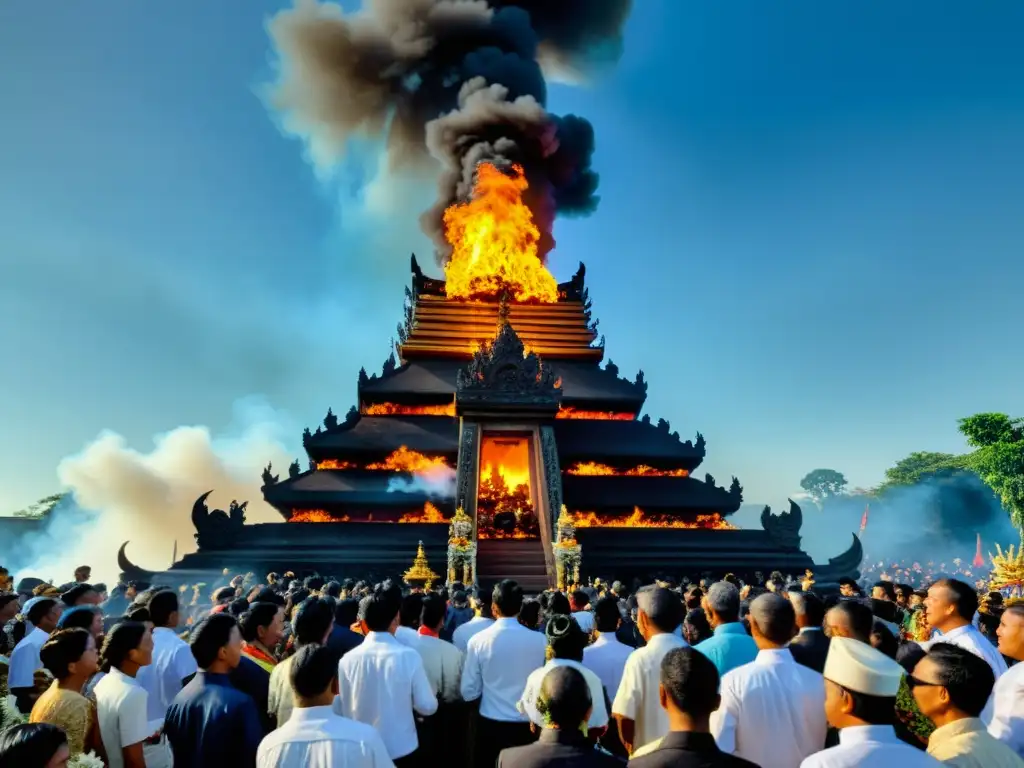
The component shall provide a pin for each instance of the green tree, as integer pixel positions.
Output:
(998, 458)
(823, 484)
(921, 465)
(40, 508)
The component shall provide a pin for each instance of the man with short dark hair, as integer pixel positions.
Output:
(950, 608)
(606, 656)
(810, 646)
(730, 646)
(951, 686)
(312, 625)
(42, 613)
(211, 723)
(773, 708)
(499, 659)
(383, 682)
(566, 701)
(851, 619)
(849, 587)
(861, 684)
(884, 590)
(315, 734)
(483, 617)
(343, 639)
(688, 692)
(80, 594)
(636, 708)
(173, 664)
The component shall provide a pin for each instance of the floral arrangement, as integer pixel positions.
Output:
(568, 552)
(461, 550)
(85, 760)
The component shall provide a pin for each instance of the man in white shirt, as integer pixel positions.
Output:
(950, 608)
(312, 625)
(383, 682)
(637, 706)
(773, 709)
(499, 659)
(43, 613)
(861, 684)
(480, 621)
(606, 657)
(1007, 723)
(443, 733)
(173, 664)
(441, 660)
(409, 619)
(314, 735)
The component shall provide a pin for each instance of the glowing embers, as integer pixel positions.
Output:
(494, 242)
(567, 412)
(394, 409)
(335, 464)
(430, 514)
(639, 519)
(591, 468)
(315, 516)
(504, 506)
(404, 460)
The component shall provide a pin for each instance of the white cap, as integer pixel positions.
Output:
(860, 668)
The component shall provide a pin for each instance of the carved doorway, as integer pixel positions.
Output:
(506, 496)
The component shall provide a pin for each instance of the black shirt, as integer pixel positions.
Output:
(686, 749)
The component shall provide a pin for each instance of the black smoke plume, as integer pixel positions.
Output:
(462, 81)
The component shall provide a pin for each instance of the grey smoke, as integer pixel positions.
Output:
(450, 82)
(436, 482)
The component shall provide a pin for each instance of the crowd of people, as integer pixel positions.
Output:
(323, 672)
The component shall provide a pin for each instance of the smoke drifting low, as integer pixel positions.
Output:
(458, 82)
(934, 521)
(437, 482)
(121, 494)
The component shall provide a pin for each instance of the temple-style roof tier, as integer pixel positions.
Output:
(373, 438)
(351, 490)
(623, 444)
(585, 386)
(620, 444)
(451, 328)
(651, 494)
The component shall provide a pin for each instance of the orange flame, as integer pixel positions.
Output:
(494, 242)
(639, 519)
(335, 464)
(516, 534)
(568, 412)
(394, 409)
(641, 470)
(404, 460)
(430, 514)
(315, 516)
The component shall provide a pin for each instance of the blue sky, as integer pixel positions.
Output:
(809, 236)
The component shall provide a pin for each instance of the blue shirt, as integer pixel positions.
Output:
(730, 647)
(212, 724)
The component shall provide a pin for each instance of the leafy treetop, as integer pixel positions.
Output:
(822, 484)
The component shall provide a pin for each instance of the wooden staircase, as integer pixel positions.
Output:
(519, 559)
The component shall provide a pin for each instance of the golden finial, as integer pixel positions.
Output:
(420, 571)
(1007, 568)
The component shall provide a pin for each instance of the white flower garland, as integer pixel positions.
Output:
(85, 760)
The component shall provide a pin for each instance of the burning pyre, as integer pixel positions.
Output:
(430, 514)
(640, 519)
(494, 242)
(592, 468)
(458, 87)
